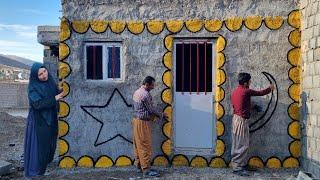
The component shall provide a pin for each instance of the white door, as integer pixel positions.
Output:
(194, 120)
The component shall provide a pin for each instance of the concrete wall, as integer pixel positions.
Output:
(13, 95)
(246, 50)
(311, 86)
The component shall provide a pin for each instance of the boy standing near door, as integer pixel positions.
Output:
(241, 103)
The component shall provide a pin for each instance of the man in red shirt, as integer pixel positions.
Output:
(240, 99)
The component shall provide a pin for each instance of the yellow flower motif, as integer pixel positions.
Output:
(273, 23)
(99, 26)
(135, 27)
(194, 25)
(253, 22)
(155, 26)
(174, 26)
(234, 23)
(117, 26)
(80, 26)
(213, 25)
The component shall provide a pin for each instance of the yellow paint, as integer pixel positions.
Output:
(168, 42)
(166, 147)
(155, 26)
(135, 27)
(219, 94)
(80, 26)
(253, 22)
(64, 70)
(295, 74)
(167, 129)
(273, 23)
(168, 111)
(180, 161)
(64, 51)
(256, 162)
(198, 162)
(294, 129)
(117, 26)
(221, 43)
(64, 30)
(67, 162)
(167, 78)
(103, 162)
(174, 26)
(295, 38)
(220, 77)
(294, 19)
(63, 128)
(291, 162)
(219, 110)
(294, 92)
(295, 148)
(99, 26)
(66, 88)
(123, 161)
(160, 161)
(194, 25)
(167, 60)
(294, 56)
(64, 109)
(85, 161)
(220, 128)
(218, 162)
(273, 163)
(166, 96)
(63, 147)
(234, 23)
(213, 25)
(220, 59)
(294, 111)
(220, 147)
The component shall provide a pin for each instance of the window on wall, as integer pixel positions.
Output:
(194, 66)
(103, 61)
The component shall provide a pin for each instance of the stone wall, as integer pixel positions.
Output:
(88, 118)
(13, 95)
(310, 46)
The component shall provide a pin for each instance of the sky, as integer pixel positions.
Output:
(18, 25)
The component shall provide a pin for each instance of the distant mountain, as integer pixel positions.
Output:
(16, 61)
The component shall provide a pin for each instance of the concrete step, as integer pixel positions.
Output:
(5, 167)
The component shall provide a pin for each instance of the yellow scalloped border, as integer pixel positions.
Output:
(167, 60)
(67, 162)
(64, 109)
(217, 162)
(273, 23)
(63, 128)
(65, 31)
(234, 23)
(194, 25)
(180, 160)
(155, 26)
(253, 22)
(80, 26)
(64, 70)
(123, 161)
(85, 161)
(295, 38)
(294, 19)
(117, 26)
(213, 25)
(198, 162)
(135, 27)
(273, 163)
(294, 111)
(104, 162)
(256, 162)
(174, 26)
(160, 161)
(63, 147)
(64, 51)
(99, 26)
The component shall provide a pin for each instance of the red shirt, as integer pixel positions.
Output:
(240, 99)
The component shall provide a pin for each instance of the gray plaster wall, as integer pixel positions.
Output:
(250, 51)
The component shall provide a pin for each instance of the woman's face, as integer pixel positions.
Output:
(43, 74)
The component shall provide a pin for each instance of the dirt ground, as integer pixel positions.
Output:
(11, 148)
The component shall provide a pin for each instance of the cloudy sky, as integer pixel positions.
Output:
(18, 25)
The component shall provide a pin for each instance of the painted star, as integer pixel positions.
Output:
(114, 123)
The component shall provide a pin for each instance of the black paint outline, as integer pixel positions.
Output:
(275, 106)
(101, 122)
